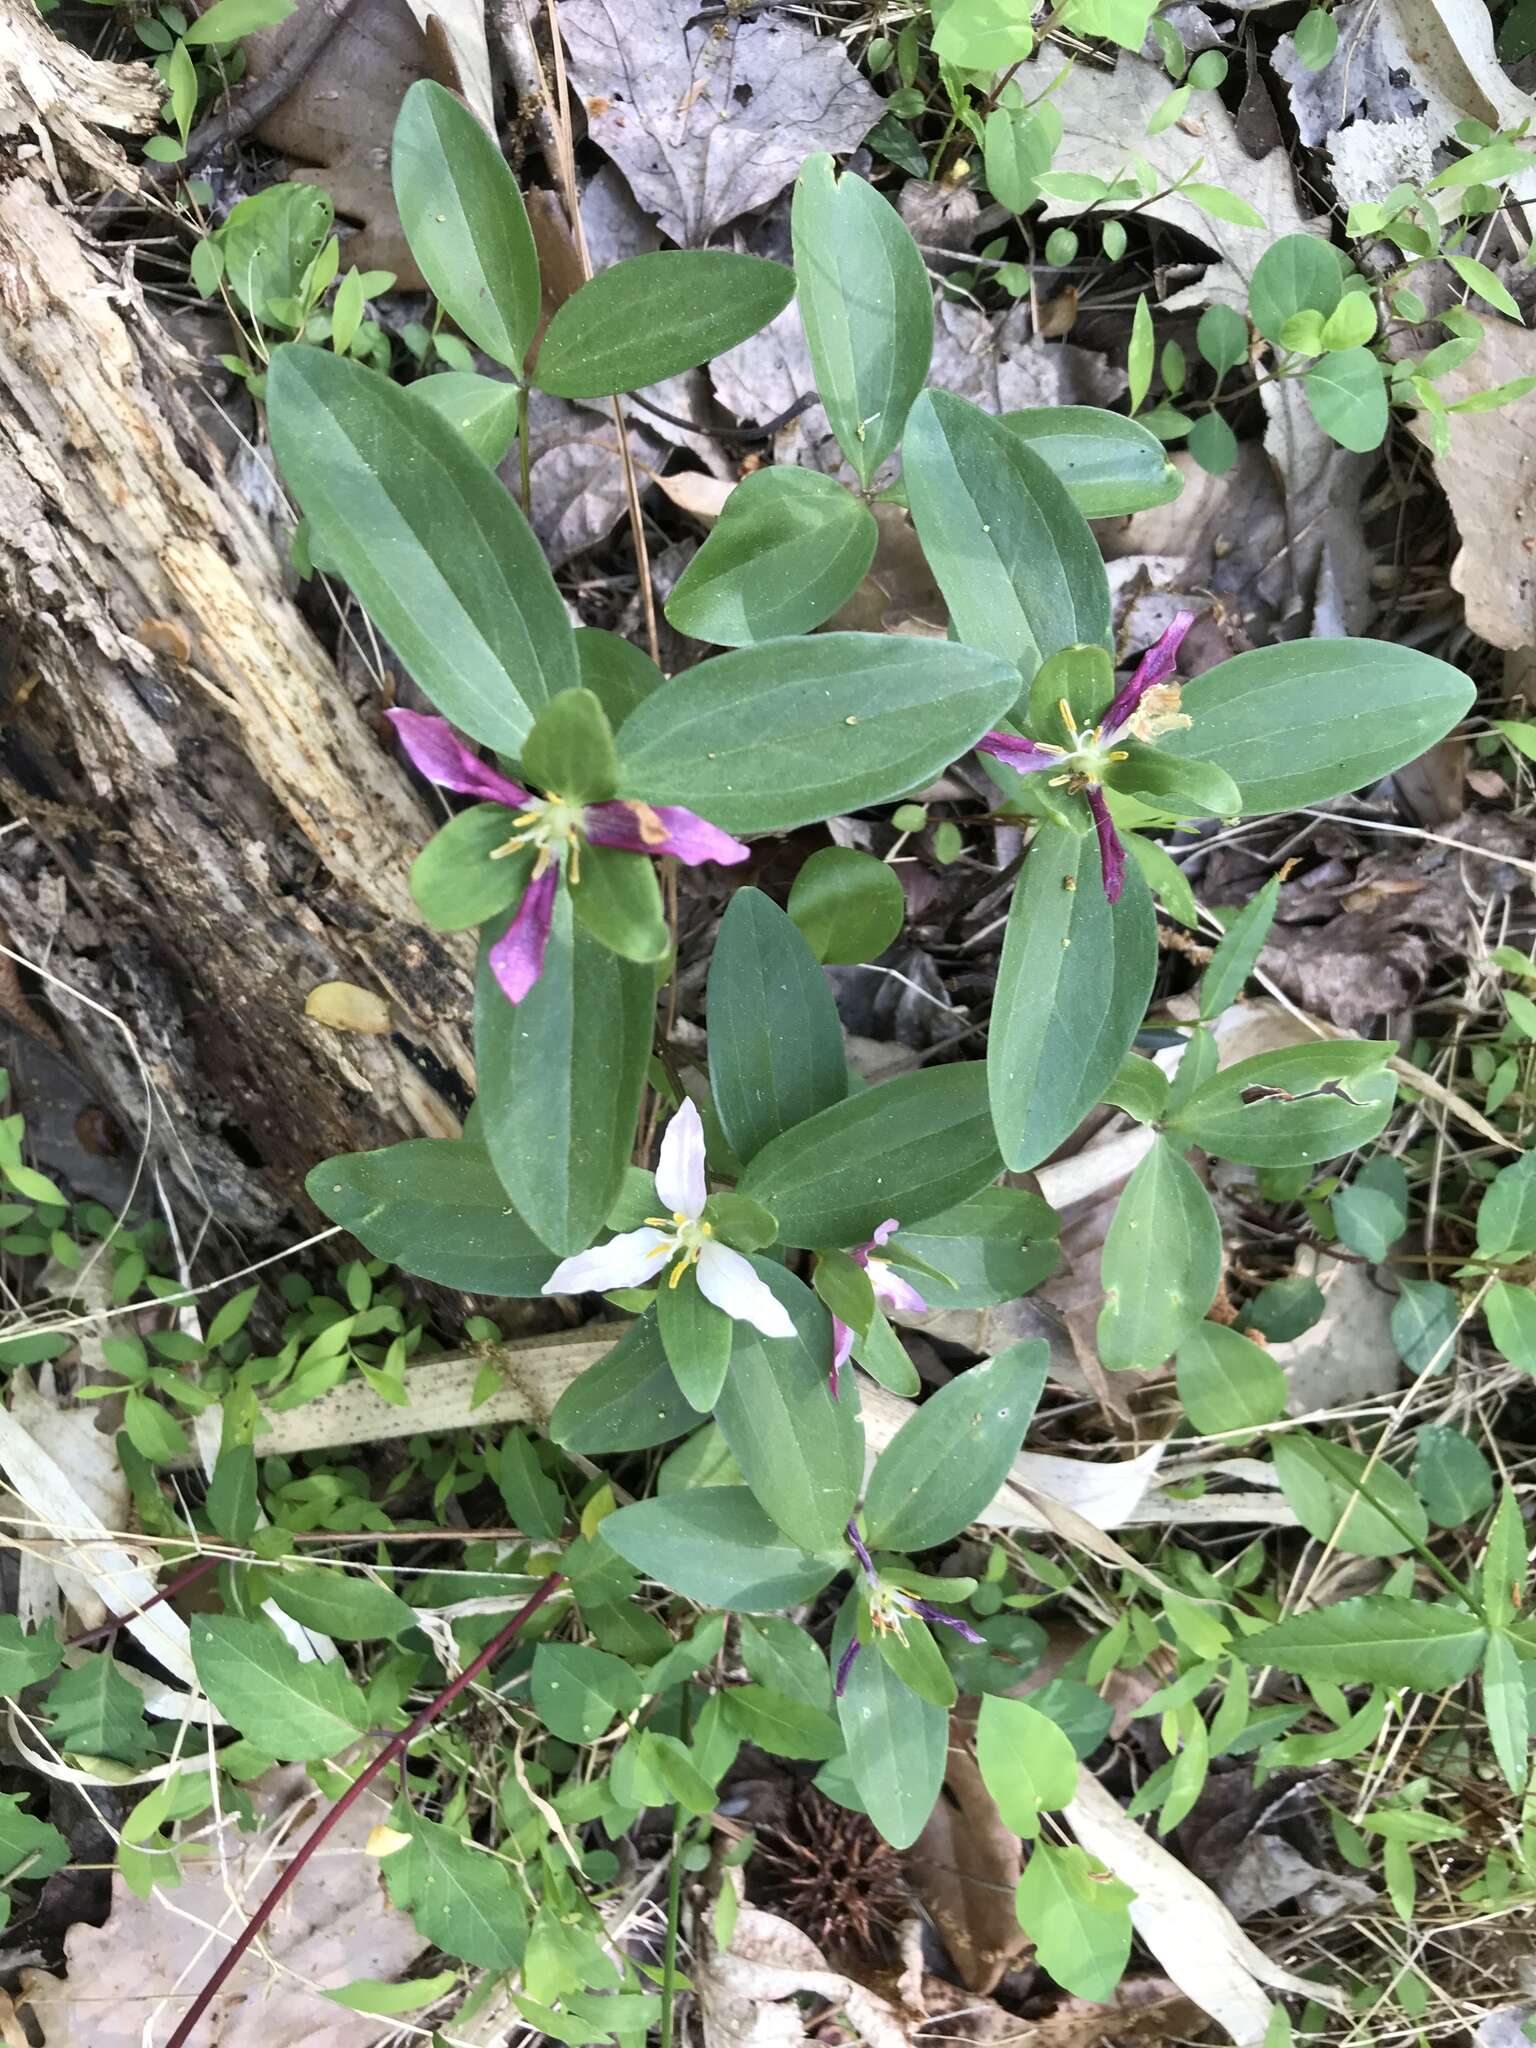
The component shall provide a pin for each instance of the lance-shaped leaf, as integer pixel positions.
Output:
(628, 1401)
(1109, 464)
(652, 316)
(715, 1545)
(1302, 722)
(1016, 561)
(775, 1043)
(781, 734)
(867, 305)
(1161, 1265)
(1292, 1107)
(561, 1074)
(434, 548)
(896, 1741)
(789, 547)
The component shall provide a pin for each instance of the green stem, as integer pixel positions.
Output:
(674, 1905)
(523, 465)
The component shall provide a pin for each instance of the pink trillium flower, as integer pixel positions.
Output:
(889, 1607)
(890, 1290)
(725, 1278)
(557, 829)
(1146, 707)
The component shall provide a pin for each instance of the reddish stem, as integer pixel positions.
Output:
(396, 1745)
(179, 1584)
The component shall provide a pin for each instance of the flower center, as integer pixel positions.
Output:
(1087, 758)
(688, 1236)
(553, 825)
(889, 1607)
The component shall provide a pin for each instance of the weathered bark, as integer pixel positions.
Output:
(209, 825)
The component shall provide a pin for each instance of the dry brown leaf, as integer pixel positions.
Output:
(336, 1924)
(745, 1992)
(1144, 2010)
(1348, 1354)
(460, 26)
(711, 121)
(343, 1006)
(338, 119)
(964, 1867)
(701, 497)
(1490, 478)
(998, 364)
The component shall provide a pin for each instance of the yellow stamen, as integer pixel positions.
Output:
(678, 1271)
(513, 845)
(1057, 780)
(678, 1216)
(1120, 754)
(652, 830)
(1066, 717)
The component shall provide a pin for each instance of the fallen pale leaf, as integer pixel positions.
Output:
(342, 1006)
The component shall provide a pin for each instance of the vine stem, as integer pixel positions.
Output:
(395, 1747)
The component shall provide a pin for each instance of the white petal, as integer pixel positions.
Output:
(628, 1260)
(727, 1279)
(680, 1169)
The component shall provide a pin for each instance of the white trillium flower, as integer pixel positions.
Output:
(725, 1277)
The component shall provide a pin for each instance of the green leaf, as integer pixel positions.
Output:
(1027, 1763)
(995, 1247)
(1506, 1711)
(534, 1502)
(1424, 1319)
(696, 1337)
(227, 20)
(96, 1712)
(1015, 558)
(440, 557)
(782, 1657)
(1292, 1107)
(849, 905)
(295, 1712)
(716, 1546)
(984, 35)
(951, 1455)
(1480, 279)
(1221, 204)
(1140, 1088)
(1505, 1561)
(1299, 723)
(1142, 353)
(908, 1148)
(651, 316)
(435, 1207)
(26, 1655)
(628, 1401)
(1296, 273)
(619, 674)
(152, 1430)
(1376, 1640)
(561, 1075)
(1371, 1214)
(896, 1741)
(1506, 1219)
(462, 1900)
(465, 222)
(25, 1840)
(579, 1692)
(1238, 952)
(780, 1725)
(1072, 989)
(1352, 323)
(619, 903)
(1110, 465)
(462, 876)
(1226, 1381)
(1334, 1496)
(372, 1995)
(1078, 1918)
(1178, 788)
(570, 749)
(1512, 1324)
(847, 719)
(1348, 396)
(340, 1603)
(1316, 37)
(845, 1286)
(1450, 1475)
(800, 1451)
(1161, 1264)
(789, 547)
(1222, 337)
(268, 242)
(775, 1043)
(1213, 444)
(1018, 144)
(867, 305)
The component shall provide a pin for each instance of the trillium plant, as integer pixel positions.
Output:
(755, 1268)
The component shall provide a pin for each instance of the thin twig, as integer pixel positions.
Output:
(242, 116)
(395, 1747)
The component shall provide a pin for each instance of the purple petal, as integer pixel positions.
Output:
(1022, 756)
(517, 958)
(897, 1293)
(926, 1611)
(1111, 852)
(859, 1551)
(662, 828)
(1154, 667)
(884, 1232)
(844, 1666)
(432, 745)
(842, 1351)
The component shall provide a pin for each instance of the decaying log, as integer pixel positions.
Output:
(205, 825)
